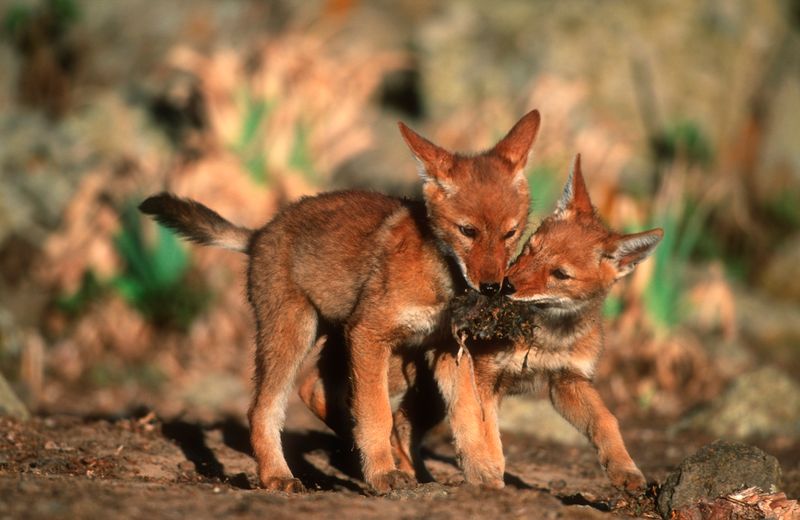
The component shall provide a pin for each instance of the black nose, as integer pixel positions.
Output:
(508, 287)
(490, 289)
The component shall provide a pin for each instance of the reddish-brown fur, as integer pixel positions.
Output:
(377, 268)
(566, 269)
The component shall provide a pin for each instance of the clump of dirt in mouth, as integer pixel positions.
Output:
(476, 316)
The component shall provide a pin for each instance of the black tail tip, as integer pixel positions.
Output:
(154, 204)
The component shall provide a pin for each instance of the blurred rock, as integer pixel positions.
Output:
(537, 418)
(10, 403)
(45, 166)
(731, 357)
(760, 403)
(717, 470)
(779, 278)
(11, 338)
(214, 393)
(771, 327)
(38, 165)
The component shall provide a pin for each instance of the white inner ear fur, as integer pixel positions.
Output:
(635, 249)
(566, 196)
(625, 270)
(519, 178)
(448, 188)
(641, 245)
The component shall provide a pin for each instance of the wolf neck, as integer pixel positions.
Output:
(418, 212)
(559, 330)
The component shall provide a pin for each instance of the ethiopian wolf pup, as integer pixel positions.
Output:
(376, 266)
(566, 271)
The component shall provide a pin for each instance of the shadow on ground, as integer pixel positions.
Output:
(190, 437)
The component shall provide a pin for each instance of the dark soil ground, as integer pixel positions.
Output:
(147, 467)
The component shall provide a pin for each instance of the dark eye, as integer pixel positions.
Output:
(560, 274)
(510, 234)
(468, 231)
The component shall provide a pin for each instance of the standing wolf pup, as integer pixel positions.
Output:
(375, 265)
(565, 270)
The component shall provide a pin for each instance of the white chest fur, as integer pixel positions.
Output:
(420, 321)
(536, 360)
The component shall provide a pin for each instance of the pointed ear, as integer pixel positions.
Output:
(434, 162)
(515, 147)
(575, 197)
(632, 249)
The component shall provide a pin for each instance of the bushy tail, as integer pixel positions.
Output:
(196, 222)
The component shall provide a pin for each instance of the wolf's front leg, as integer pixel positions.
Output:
(475, 433)
(490, 404)
(579, 403)
(372, 412)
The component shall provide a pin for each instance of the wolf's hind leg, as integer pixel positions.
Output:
(286, 330)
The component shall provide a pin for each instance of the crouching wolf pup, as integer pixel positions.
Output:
(565, 270)
(382, 269)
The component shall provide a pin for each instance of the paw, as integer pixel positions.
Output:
(391, 480)
(285, 484)
(484, 474)
(626, 477)
(493, 483)
(403, 461)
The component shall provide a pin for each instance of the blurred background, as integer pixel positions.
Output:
(686, 112)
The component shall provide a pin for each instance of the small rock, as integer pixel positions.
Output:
(717, 470)
(427, 490)
(771, 326)
(764, 402)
